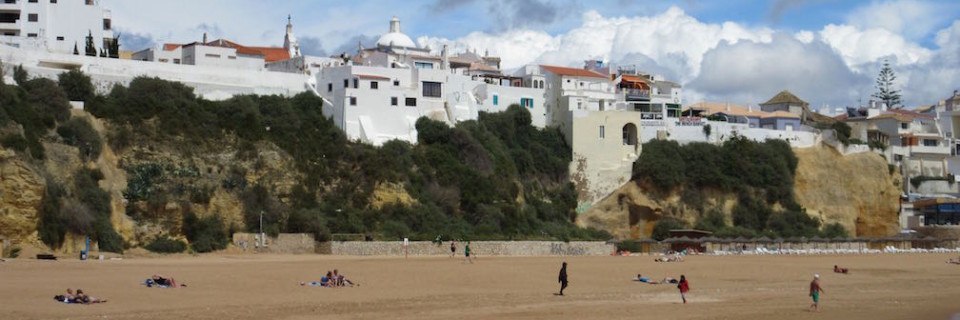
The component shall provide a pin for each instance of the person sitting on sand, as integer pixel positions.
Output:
(343, 281)
(326, 280)
(840, 270)
(68, 298)
(85, 299)
(336, 279)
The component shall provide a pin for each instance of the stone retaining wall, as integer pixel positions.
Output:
(282, 243)
(479, 248)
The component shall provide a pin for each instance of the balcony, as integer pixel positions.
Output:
(635, 94)
(938, 150)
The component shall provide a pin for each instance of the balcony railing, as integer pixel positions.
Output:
(635, 94)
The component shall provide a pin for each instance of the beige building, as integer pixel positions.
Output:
(605, 144)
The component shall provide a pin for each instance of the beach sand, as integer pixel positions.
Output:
(220, 286)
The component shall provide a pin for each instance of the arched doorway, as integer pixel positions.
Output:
(630, 134)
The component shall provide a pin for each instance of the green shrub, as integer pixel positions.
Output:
(15, 142)
(205, 234)
(47, 99)
(661, 229)
(20, 75)
(834, 230)
(15, 251)
(167, 245)
(843, 132)
(50, 226)
(76, 84)
(79, 133)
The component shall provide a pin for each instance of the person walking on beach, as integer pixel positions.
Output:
(563, 278)
(466, 252)
(684, 286)
(815, 291)
(453, 248)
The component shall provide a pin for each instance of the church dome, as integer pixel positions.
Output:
(395, 38)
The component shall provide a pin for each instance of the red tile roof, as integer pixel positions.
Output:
(574, 72)
(270, 54)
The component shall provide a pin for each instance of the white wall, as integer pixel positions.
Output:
(211, 82)
(70, 19)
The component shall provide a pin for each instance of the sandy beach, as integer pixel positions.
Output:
(887, 286)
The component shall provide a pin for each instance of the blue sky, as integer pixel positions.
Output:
(741, 51)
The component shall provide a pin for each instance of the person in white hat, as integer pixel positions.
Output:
(815, 291)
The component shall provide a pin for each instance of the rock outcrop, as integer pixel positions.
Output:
(858, 191)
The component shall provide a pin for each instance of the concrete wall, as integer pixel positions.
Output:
(282, 243)
(602, 164)
(479, 248)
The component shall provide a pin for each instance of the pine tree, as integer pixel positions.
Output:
(885, 86)
(91, 49)
(75, 51)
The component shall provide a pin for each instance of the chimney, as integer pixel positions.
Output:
(204, 38)
(728, 105)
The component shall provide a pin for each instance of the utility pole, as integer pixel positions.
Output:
(262, 240)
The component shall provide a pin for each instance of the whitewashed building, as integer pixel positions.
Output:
(379, 94)
(60, 25)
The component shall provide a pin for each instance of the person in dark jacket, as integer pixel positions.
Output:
(684, 286)
(563, 278)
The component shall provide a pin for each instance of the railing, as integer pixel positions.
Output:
(635, 94)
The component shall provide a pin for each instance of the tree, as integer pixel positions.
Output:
(76, 84)
(75, 51)
(885, 86)
(91, 49)
(1, 74)
(19, 75)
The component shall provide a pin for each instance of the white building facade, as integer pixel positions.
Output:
(60, 25)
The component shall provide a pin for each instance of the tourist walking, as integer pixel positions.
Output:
(466, 252)
(815, 291)
(563, 278)
(453, 248)
(684, 286)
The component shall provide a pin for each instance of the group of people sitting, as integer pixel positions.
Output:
(78, 297)
(641, 278)
(330, 280)
(161, 282)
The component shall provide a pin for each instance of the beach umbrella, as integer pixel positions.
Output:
(763, 239)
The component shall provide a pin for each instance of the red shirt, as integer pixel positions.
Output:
(684, 286)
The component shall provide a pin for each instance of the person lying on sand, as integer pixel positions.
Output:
(160, 281)
(840, 270)
(954, 261)
(643, 279)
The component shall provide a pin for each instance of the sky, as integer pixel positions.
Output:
(739, 51)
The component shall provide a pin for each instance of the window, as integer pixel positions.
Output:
(396, 83)
(32, 1)
(53, 1)
(212, 55)
(374, 85)
(526, 102)
(32, 17)
(330, 87)
(164, 60)
(176, 60)
(410, 102)
(346, 83)
(31, 35)
(541, 84)
(393, 101)
(432, 89)
(423, 65)
(232, 57)
(353, 101)
(496, 99)
(356, 83)
(106, 24)
(905, 125)
(929, 143)
(602, 133)
(60, 38)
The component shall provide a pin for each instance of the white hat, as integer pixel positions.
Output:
(816, 276)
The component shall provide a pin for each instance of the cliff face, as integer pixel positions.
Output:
(857, 191)
(21, 190)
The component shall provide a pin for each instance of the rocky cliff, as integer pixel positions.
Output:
(857, 191)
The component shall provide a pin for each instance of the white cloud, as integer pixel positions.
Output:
(866, 46)
(751, 72)
(910, 18)
(515, 47)
(804, 36)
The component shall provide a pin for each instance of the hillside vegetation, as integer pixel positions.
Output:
(761, 175)
(199, 170)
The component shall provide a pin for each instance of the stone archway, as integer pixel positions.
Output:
(630, 134)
